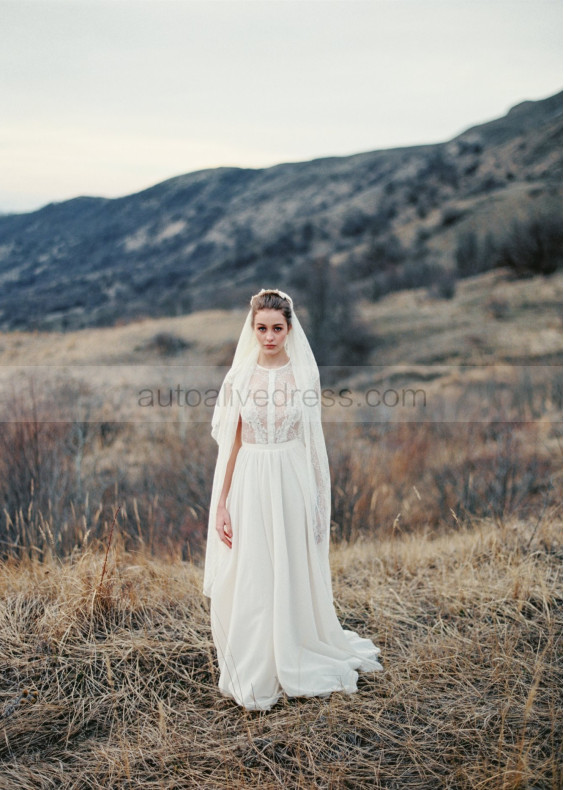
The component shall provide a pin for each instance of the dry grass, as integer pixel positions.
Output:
(410, 326)
(412, 477)
(470, 629)
(109, 680)
(60, 483)
(414, 328)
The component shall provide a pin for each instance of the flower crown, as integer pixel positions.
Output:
(274, 291)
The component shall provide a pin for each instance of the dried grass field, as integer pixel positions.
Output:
(446, 551)
(109, 676)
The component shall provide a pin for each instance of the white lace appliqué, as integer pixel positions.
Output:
(271, 412)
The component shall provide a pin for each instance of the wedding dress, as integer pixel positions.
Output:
(272, 616)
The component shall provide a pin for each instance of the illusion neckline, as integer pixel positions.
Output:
(262, 367)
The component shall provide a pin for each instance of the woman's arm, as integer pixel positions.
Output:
(223, 520)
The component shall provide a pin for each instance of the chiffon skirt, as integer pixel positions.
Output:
(273, 622)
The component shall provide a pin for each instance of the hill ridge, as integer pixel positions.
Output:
(202, 239)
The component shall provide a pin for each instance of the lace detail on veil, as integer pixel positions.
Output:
(320, 463)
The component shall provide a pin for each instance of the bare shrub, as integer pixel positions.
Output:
(497, 478)
(440, 167)
(336, 335)
(387, 478)
(178, 475)
(413, 274)
(530, 247)
(497, 307)
(355, 223)
(533, 247)
(451, 215)
(46, 497)
(473, 254)
(39, 467)
(383, 259)
(387, 252)
(165, 343)
(412, 476)
(444, 285)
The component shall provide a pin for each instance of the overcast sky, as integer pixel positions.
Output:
(107, 97)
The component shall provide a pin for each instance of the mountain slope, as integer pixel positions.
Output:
(206, 238)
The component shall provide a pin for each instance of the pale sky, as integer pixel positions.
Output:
(107, 97)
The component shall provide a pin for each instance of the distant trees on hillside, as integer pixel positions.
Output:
(335, 332)
(529, 247)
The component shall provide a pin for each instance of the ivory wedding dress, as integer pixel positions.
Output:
(272, 615)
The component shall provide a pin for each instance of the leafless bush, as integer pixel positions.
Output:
(533, 247)
(530, 247)
(412, 274)
(355, 223)
(387, 252)
(451, 215)
(497, 307)
(165, 343)
(178, 476)
(413, 476)
(473, 254)
(39, 468)
(444, 284)
(439, 166)
(47, 501)
(336, 334)
(496, 478)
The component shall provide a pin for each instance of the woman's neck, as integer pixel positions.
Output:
(273, 362)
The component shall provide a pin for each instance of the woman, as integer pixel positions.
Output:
(267, 564)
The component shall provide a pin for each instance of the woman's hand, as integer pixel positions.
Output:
(223, 525)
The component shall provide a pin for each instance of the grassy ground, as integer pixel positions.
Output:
(491, 318)
(108, 678)
(111, 683)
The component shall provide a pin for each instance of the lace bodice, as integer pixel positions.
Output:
(271, 412)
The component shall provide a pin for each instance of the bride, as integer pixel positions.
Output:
(267, 571)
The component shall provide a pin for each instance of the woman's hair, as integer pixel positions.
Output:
(271, 300)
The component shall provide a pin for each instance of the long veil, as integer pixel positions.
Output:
(225, 418)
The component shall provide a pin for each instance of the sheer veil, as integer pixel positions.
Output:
(231, 397)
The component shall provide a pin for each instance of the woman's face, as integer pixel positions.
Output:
(271, 330)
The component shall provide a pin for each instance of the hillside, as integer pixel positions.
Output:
(206, 239)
